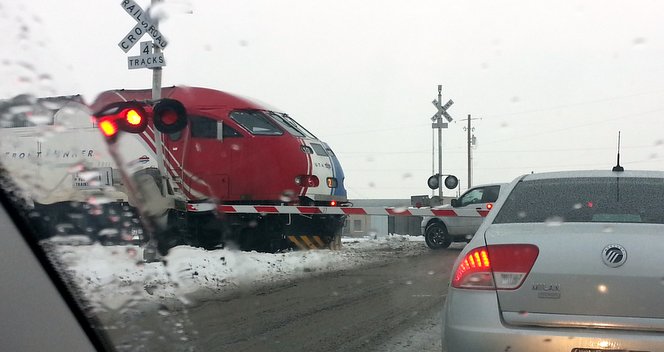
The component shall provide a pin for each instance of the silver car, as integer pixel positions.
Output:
(472, 206)
(567, 261)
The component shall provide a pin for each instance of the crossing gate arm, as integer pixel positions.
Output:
(386, 211)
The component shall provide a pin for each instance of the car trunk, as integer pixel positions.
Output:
(571, 285)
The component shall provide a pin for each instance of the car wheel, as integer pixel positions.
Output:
(436, 236)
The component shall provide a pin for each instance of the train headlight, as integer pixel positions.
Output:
(307, 181)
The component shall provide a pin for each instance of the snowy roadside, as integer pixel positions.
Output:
(113, 277)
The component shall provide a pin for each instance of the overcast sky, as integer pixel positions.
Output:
(551, 82)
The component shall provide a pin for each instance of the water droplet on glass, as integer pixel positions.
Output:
(554, 221)
(243, 43)
(287, 196)
(400, 210)
(431, 272)
(26, 65)
(578, 206)
(659, 142)
(485, 66)
(98, 201)
(163, 310)
(45, 77)
(407, 175)
(235, 147)
(521, 214)
(607, 229)
(88, 175)
(198, 147)
(372, 185)
(409, 282)
(515, 99)
(504, 124)
(335, 293)
(39, 119)
(639, 41)
(602, 288)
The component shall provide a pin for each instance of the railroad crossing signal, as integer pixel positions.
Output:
(144, 25)
(149, 57)
(439, 125)
(442, 110)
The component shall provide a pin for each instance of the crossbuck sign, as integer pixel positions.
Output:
(442, 110)
(147, 59)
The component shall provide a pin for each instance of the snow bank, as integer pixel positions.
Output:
(112, 277)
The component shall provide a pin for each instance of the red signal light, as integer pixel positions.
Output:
(126, 116)
(489, 206)
(108, 127)
(169, 117)
(333, 203)
(133, 117)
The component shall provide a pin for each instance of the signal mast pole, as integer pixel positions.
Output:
(156, 95)
(439, 125)
(440, 142)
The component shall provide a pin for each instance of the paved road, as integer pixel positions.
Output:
(355, 310)
(391, 306)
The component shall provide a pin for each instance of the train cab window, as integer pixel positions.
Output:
(256, 123)
(290, 125)
(229, 131)
(318, 149)
(329, 152)
(203, 127)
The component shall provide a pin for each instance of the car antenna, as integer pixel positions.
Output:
(618, 167)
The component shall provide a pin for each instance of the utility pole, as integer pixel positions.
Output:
(470, 156)
(470, 141)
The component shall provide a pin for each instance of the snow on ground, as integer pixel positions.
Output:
(112, 277)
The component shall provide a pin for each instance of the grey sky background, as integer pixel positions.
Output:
(552, 81)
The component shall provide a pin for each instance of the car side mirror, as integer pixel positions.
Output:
(454, 203)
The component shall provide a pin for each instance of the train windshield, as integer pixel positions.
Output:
(291, 125)
(256, 123)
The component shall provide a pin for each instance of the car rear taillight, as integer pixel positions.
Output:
(502, 267)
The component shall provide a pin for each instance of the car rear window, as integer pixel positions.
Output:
(596, 199)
